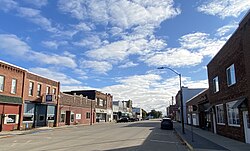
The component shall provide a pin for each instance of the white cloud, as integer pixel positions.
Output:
(128, 64)
(83, 27)
(226, 29)
(224, 8)
(174, 58)
(89, 42)
(150, 91)
(54, 44)
(37, 3)
(100, 67)
(7, 5)
(55, 75)
(14, 46)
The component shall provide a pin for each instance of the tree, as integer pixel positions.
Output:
(144, 114)
(155, 114)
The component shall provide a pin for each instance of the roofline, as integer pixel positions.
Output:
(197, 95)
(13, 65)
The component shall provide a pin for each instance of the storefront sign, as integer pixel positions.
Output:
(78, 116)
(49, 98)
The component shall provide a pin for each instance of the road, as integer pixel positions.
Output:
(137, 136)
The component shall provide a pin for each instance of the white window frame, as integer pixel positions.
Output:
(231, 77)
(16, 119)
(2, 78)
(54, 91)
(39, 90)
(31, 88)
(216, 87)
(232, 114)
(221, 117)
(101, 102)
(47, 89)
(13, 86)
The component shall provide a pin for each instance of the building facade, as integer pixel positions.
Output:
(229, 85)
(103, 103)
(11, 92)
(76, 109)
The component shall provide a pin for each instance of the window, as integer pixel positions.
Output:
(233, 114)
(87, 115)
(13, 86)
(39, 87)
(47, 90)
(220, 114)
(11, 118)
(216, 84)
(1, 83)
(62, 118)
(51, 113)
(54, 91)
(72, 117)
(231, 75)
(28, 115)
(100, 102)
(31, 87)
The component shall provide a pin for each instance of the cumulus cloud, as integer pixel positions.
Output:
(222, 31)
(90, 42)
(14, 46)
(224, 8)
(54, 44)
(100, 67)
(55, 75)
(128, 64)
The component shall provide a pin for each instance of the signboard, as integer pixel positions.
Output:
(78, 116)
(49, 98)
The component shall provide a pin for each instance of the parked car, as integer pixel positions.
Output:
(167, 123)
(123, 119)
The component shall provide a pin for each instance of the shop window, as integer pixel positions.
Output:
(220, 114)
(13, 86)
(87, 115)
(72, 117)
(62, 117)
(231, 75)
(233, 114)
(1, 83)
(27, 118)
(11, 118)
(216, 84)
(51, 117)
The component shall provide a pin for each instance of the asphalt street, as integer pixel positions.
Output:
(136, 136)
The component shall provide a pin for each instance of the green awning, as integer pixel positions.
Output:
(10, 99)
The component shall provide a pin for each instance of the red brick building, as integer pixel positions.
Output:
(11, 86)
(229, 85)
(76, 109)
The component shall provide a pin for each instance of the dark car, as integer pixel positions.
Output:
(167, 123)
(123, 119)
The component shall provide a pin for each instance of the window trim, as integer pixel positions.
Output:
(40, 90)
(3, 82)
(48, 89)
(215, 84)
(32, 91)
(217, 114)
(234, 125)
(229, 69)
(12, 86)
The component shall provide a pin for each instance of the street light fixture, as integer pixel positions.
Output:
(181, 99)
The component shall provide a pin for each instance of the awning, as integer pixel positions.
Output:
(239, 103)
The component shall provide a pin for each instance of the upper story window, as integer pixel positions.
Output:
(1, 83)
(216, 84)
(233, 114)
(39, 88)
(47, 90)
(101, 102)
(220, 114)
(231, 75)
(54, 91)
(31, 88)
(13, 86)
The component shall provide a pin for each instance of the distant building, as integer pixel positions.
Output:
(137, 113)
(103, 106)
(187, 93)
(124, 108)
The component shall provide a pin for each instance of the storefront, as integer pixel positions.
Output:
(101, 115)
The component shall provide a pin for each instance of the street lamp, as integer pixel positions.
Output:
(181, 99)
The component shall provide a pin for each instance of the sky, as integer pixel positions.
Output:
(116, 46)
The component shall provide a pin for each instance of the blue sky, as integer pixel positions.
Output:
(115, 46)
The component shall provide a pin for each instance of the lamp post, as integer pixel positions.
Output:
(181, 99)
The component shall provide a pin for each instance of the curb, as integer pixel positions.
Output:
(190, 147)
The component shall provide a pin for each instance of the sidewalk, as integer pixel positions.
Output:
(208, 141)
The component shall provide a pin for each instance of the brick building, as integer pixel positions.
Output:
(40, 101)
(229, 84)
(103, 103)
(11, 86)
(76, 109)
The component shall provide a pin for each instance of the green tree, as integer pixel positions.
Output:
(144, 114)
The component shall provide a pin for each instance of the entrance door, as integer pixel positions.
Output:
(246, 126)
(41, 112)
(67, 118)
(1, 122)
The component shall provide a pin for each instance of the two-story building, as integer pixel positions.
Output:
(103, 106)
(229, 84)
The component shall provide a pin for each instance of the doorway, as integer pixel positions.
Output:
(1, 121)
(67, 118)
(246, 126)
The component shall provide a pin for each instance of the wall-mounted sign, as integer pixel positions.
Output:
(49, 98)
(78, 116)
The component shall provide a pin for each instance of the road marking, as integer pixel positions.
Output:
(159, 141)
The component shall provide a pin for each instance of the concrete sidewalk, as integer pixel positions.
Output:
(208, 141)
